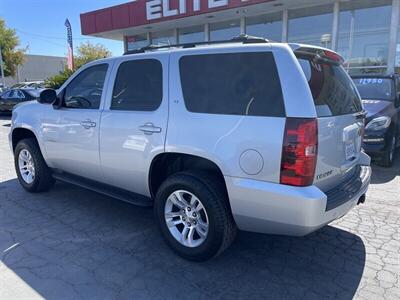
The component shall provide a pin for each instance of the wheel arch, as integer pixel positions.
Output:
(168, 163)
(20, 133)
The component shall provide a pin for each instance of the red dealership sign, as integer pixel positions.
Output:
(141, 12)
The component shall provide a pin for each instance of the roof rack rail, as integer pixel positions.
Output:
(243, 38)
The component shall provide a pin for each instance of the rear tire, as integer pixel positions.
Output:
(389, 156)
(204, 192)
(33, 173)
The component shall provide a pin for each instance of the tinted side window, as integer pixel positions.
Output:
(333, 91)
(138, 86)
(232, 84)
(12, 94)
(85, 90)
(20, 95)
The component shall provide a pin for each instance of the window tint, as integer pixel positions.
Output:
(138, 86)
(333, 91)
(85, 90)
(20, 95)
(232, 84)
(13, 94)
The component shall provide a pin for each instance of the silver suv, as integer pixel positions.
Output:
(246, 134)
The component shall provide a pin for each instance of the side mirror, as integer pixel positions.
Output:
(47, 96)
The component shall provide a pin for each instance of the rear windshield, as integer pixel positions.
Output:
(232, 84)
(332, 89)
(375, 88)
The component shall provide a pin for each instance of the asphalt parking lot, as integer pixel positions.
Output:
(71, 243)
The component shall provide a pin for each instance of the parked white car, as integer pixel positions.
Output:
(246, 134)
(29, 85)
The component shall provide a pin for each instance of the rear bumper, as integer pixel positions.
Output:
(280, 209)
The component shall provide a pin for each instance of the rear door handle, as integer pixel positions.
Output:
(88, 124)
(149, 128)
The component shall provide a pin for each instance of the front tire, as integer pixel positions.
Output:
(33, 173)
(193, 215)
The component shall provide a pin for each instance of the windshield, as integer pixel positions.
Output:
(17, 85)
(375, 88)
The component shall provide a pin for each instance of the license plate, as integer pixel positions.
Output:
(350, 151)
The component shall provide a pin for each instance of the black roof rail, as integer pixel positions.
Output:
(243, 38)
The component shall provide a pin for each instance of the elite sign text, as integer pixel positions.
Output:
(157, 9)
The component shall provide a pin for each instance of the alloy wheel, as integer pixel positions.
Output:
(26, 166)
(186, 218)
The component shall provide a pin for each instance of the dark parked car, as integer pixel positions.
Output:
(381, 98)
(12, 97)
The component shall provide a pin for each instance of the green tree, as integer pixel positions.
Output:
(56, 81)
(12, 57)
(85, 52)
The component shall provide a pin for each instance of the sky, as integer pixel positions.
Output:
(39, 24)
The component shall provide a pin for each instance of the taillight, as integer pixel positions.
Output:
(299, 152)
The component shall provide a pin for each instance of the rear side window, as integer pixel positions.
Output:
(232, 84)
(20, 95)
(138, 86)
(332, 89)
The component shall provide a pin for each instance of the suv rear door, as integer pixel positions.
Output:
(340, 117)
(134, 120)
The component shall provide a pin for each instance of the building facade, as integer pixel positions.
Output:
(37, 68)
(365, 32)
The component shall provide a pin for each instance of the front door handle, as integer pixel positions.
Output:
(88, 124)
(149, 128)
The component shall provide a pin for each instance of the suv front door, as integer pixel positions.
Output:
(71, 132)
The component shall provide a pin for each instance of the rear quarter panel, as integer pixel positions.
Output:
(223, 139)
(296, 93)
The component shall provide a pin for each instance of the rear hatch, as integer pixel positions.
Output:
(340, 116)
